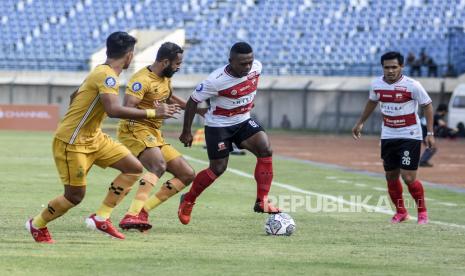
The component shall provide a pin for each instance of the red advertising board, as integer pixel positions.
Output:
(28, 117)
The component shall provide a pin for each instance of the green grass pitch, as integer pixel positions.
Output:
(225, 237)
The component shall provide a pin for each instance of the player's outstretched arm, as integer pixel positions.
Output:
(162, 110)
(114, 109)
(429, 115)
(182, 104)
(357, 129)
(189, 113)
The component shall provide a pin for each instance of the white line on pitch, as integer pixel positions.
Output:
(331, 197)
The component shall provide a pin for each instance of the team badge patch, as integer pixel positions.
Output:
(110, 82)
(151, 138)
(221, 146)
(199, 87)
(136, 86)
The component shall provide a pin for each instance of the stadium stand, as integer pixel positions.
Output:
(304, 37)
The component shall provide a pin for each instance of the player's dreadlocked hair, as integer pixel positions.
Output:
(393, 55)
(119, 43)
(169, 50)
(240, 48)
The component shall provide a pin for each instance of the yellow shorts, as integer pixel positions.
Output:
(73, 162)
(137, 137)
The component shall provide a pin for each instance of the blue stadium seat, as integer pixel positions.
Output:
(355, 34)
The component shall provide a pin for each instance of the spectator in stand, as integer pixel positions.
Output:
(432, 68)
(414, 63)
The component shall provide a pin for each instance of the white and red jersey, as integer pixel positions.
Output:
(230, 98)
(399, 106)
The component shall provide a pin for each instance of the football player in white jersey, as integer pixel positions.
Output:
(401, 136)
(229, 92)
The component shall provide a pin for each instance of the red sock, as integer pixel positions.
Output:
(263, 176)
(416, 190)
(202, 180)
(395, 192)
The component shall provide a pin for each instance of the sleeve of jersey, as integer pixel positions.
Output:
(421, 96)
(137, 88)
(372, 95)
(204, 91)
(107, 84)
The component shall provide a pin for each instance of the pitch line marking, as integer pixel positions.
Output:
(331, 197)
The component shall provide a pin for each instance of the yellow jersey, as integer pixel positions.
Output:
(148, 87)
(82, 123)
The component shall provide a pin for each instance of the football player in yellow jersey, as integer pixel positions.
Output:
(79, 142)
(143, 137)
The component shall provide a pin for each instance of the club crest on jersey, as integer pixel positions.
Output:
(136, 86)
(221, 146)
(199, 87)
(110, 82)
(234, 92)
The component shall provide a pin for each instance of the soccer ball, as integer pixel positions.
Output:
(280, 224)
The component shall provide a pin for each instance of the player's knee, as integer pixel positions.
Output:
(75, 196)
(157, 167)
(188, 176)
(218, 169)
(135, 168)
(408, 179)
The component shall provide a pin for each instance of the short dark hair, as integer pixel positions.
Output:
(392, 55)
(169, 50)
(119, 43)
(240, 48)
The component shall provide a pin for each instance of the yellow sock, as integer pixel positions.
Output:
(56, 208)
(146, 184)
(151, 203)
(119, 188)
(167, 190)
(39, 222)
(104, 211)
(135, 207)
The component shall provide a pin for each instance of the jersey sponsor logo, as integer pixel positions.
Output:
(199, 87)
(232, 112)
(400, 88)
(394, 96)
(400, 121)
(110, 82)
(137, 86)
(390, 108)
(239, 90)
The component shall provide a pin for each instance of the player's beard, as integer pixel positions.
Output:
(169, 72)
